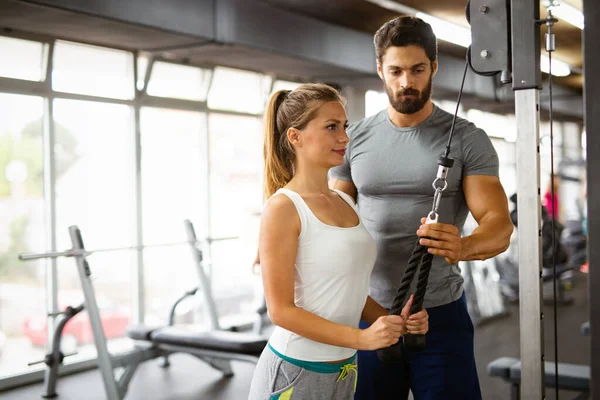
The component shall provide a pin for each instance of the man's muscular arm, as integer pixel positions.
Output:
(487, 202)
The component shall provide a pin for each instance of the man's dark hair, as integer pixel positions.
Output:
(406, 31)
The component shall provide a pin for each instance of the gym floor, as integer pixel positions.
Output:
(188, 378)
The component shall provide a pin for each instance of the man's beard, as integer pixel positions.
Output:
(409, 105)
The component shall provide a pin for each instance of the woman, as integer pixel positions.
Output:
(316, 257)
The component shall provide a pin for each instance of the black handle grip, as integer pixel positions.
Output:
(414, 342)
(392, 354)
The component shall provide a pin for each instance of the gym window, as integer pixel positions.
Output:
(178, 81)
(93, 71)
(237, 90)
(23, 59)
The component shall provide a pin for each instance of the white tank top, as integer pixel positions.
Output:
(331, 279)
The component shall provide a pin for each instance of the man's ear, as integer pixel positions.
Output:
(434, 68)
(380, 70)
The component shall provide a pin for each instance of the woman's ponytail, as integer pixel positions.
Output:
(278, 154)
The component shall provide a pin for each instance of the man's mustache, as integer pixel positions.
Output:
(408, 92)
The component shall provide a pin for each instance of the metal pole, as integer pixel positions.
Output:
(85, 253)
(50, 198)
(530, 260)
(51, 254)
(104, 358)
(138, 288)
(591, 10)
(526, 83)
(209, 301)
(208, 208)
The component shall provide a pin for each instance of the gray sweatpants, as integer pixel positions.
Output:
(278, 379)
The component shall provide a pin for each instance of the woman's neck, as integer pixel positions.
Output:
(313, 183)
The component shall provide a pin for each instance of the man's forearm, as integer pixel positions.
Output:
(489, 239)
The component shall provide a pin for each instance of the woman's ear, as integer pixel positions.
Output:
(294, 137)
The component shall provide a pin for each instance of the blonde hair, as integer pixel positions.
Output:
(289, 109)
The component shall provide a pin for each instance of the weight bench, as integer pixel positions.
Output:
(570, 376)
(216, 347)
(228, 345)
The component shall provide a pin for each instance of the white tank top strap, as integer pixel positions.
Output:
(347, 199)
(301, 207)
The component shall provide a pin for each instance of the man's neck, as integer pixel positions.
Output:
(408, 120)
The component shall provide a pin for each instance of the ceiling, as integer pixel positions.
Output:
(39, 17)
(38, 20)
(32, 18)
(368, 17)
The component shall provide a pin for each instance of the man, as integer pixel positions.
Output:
(390, 164)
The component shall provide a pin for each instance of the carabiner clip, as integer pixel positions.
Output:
(432, 217)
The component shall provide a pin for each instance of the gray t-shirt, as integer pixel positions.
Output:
(393, 169)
